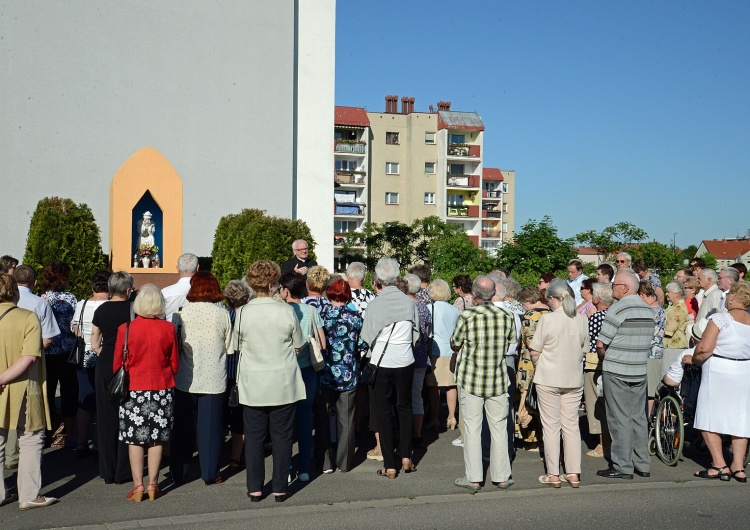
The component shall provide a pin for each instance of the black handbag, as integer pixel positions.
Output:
(370, 371)
(531, 402)
(78, 352)
(120, 385)
(234, 392)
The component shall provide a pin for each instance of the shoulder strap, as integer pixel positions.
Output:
(239, 342)
(8, 311)
(80, 318)
(125, 346)
(432, 327)
(386, 344)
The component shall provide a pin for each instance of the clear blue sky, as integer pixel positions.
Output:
(608, 111)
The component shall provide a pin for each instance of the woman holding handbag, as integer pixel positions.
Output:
(558, 348)
(292, 289)
(146, 414)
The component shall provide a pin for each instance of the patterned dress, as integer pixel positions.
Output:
(423, 350)
(147, 416)
(342, 328)
(63, 307)
(525, 427)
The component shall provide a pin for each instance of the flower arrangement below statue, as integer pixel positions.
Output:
(147, 254)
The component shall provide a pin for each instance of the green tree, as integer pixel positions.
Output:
(240, 239)
(536, 249)
(61, 230)
(612, 239)
(450, 255)
(658, 257)
(689, 252)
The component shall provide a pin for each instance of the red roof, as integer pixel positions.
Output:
(355, 116)
(727, 249)
(492, 173)
(585, 251)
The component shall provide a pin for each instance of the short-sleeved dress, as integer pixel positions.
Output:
(724, 396)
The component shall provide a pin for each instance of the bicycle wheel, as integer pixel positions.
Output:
(670, 431)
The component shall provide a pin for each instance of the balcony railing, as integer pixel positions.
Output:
(475, 240)
(348, 209)
(492, 214)
(462, 181)
(487, 194)
(492, 232)
(350, 177)
(350, 147)
(463, 211)
(464, 150)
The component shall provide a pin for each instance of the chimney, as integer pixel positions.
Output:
(391, 104)
(444, 105)
(411, 105)
(404, 105)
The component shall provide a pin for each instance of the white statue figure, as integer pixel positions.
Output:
(146, 229)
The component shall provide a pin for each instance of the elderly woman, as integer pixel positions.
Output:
(59, 370)
(269, 378)
(443, 317)
(462, 288)
(146, 414)
(422, 352)
(586, 308)
(292, 289)
(557, 349)
(236, 294)
(201, 380)
(692, 287)
(84, 314)
(317, 279)
(23, 404)
(677, 317)
(338, 380)
(648, 295)
(724, 396)
(114, 466)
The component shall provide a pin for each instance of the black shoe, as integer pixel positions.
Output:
(644, 474)
(280, 498)
(254, 498)
(613, 473)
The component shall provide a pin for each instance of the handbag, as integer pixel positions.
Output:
(370, 371)
(78, 352)
(531, 402)
(234, 392)
(316, 354)
(120, 385)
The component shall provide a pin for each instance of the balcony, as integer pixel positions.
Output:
(464, 150)
(475, 240)
(356, 178)
(349, 209)
(487, 194)
(351, 147)
(492, 214)
(463, 211)
(493, 232)
(455, 180)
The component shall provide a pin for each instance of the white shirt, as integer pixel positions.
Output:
(399, 353)
(513, 347)
(43, 310)
(88, 316)
(575, 284)
(175, 296)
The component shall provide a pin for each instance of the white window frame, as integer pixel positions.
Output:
(390, 195)
(429, 197)
(389, 166)
(433, 164)
(351, 226)
(430, 138)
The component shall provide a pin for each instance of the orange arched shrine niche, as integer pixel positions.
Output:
(146, 182)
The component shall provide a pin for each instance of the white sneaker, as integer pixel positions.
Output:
(39, 503)
(458, 442)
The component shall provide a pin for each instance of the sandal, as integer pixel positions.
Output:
(724, 477)
(743, 480)
(464, 482)
(388, 473)
(572, 479)
(596, 452)
(154, 493)
(375, 454)
(136, 494)
(408, 466)
(547, 479)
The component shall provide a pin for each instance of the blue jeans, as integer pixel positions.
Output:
(304, 419)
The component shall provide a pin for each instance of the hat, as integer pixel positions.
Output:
(147, 215)
(695, 331)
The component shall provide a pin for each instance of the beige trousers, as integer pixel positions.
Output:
(30, 446)
(558, 411)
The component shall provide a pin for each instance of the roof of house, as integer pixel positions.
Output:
(585, 251)
(355, 116)
(492, 173)
(727, 248)
(470, 121)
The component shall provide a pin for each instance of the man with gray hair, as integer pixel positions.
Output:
(361, 297)
(175, 295)
(624, 344)
(728, 276)
(481, 339)
(710, 299)
(623, 260)
(301, 261)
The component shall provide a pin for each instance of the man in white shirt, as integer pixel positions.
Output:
(175, 295)
(711, 298)
(26, 279)
(727, 277)
(576, 277)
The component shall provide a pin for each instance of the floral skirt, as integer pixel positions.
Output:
(147, 416)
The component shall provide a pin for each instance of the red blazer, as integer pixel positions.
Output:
(152, 353)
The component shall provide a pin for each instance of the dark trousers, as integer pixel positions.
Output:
(114, 464)
(259, 422)
(200, 414)
(342, 456)
(393, 401)
(60, 371)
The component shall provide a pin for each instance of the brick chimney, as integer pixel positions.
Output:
(391, 104)
(444, 105)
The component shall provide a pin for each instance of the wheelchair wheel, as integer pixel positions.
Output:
(651, 445)
(670, 431)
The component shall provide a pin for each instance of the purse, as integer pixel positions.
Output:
(234, 392)
(370, 371)
(531, 402)
(120, 385)
(78, 352)
(316, 354)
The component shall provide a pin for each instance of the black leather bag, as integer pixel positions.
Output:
(120, 385)
(78, 352)
(234, 392)
(531, 402)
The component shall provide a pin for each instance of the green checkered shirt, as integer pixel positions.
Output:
(484, 333)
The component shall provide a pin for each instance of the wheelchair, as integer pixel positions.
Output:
(666, 425)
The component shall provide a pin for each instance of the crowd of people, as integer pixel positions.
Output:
(295, 353)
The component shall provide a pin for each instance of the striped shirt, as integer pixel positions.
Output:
(628, 329)
(484, 332)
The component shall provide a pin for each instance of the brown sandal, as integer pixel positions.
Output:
(408, 466)
(388, 473)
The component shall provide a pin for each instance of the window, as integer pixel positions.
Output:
(391, 138)
(391, 198)
(505, 207)
(429, 138)
(456, 169)
(456, 139)
(505, 228)
(505, 187)
(429, 198)
(391, 168)
(341, 227)
(429, 168)
(346, 165)
(455, 199)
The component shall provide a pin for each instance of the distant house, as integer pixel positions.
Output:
(588, 255)
(726, 251)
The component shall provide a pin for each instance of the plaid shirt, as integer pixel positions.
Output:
(484, 333)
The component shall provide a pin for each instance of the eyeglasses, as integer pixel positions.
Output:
(302, 249)
(616, 284)
(620, 261)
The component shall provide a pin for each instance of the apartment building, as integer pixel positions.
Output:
(431, 163)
